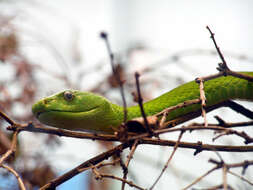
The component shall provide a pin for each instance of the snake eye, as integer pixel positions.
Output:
(68, 95)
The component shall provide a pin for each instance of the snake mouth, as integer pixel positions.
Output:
(39, 113)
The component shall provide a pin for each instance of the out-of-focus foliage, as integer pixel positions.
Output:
(19, 79)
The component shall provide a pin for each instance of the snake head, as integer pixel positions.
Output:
(72, 109)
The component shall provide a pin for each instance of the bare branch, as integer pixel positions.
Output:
(93, 161)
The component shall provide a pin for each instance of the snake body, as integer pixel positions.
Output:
(72, 109)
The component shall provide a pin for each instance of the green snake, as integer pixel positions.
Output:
(72, 109)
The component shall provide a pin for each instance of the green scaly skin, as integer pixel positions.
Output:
(91, 112)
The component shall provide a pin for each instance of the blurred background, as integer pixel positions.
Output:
(48, 46)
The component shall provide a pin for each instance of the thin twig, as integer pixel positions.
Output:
(104, 36)
(168, 161)
(209, 77)
(12, 149)
(9, 153)
(223, 67)
(203, 100)
(62, 132)
(226, 167)
(200, 178)
(217, 48)
(130, 183)
(242, 134)
(239, 108)
(241, 177)
(100, 165)
(216, 187)
(180, 105)
(100, 176)
(225, 124)
(129, 157)
(224, 173)
(197, 146)
(20, 182)
(140, 102)
(93, 161)
(243, 164)
(6, 118)
(192, 115)
(240, 75)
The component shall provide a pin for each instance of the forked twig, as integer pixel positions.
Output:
(100, 176)
(93, 161)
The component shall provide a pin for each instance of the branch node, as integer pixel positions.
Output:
(221, 122)
(198, 148)
(245, 166)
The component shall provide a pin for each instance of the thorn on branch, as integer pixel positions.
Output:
(220, 121)
(198, 148)
(245, 166)
(218, 163)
